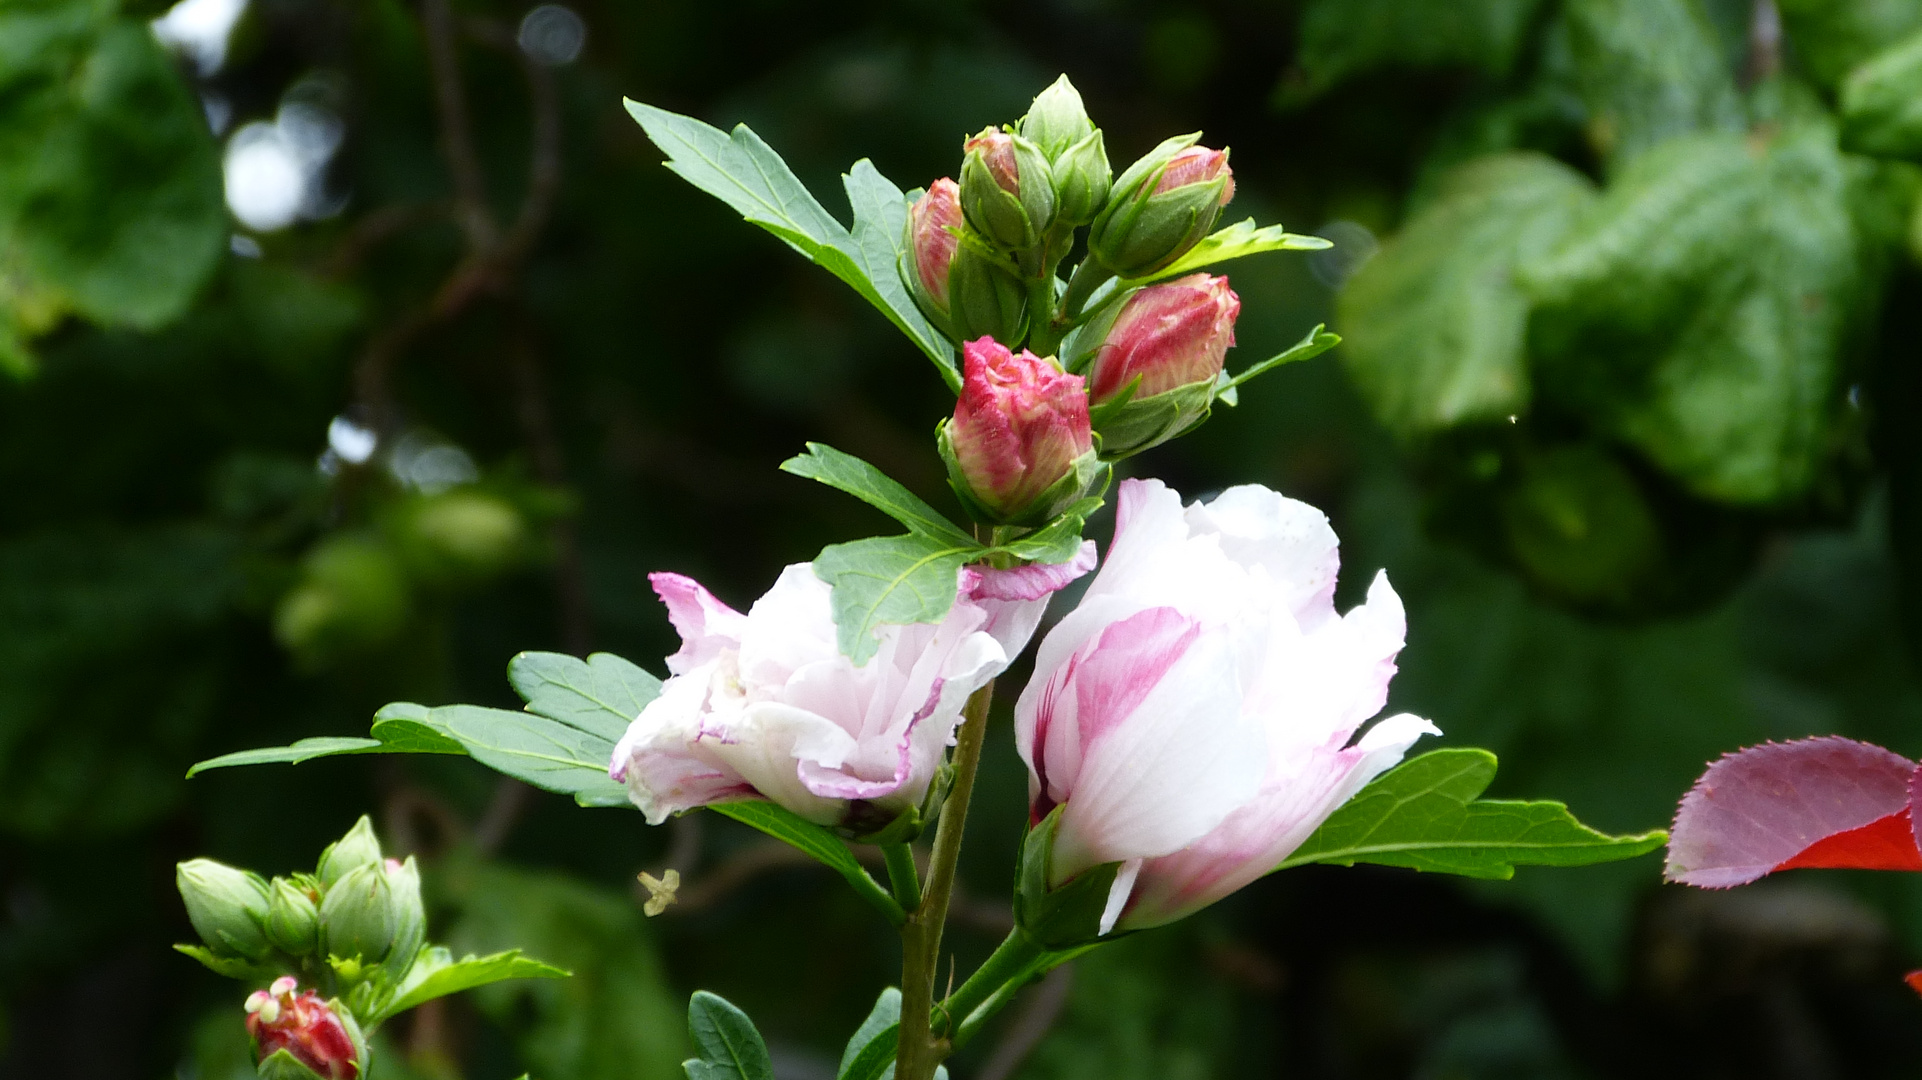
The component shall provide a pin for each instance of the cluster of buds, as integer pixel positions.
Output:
(1137, 363)
(297, 1036)
(355, 923)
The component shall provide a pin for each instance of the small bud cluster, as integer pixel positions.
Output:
(1142, 358)
(355, 925)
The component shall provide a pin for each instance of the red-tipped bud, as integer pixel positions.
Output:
(1167, 335)
(1007, 189)
(932, 237)
(315, 1033)
(1019, 447)
(997, 153)
(1198, 165)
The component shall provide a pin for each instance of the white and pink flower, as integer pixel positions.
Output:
(1194, 717)
(764, 704)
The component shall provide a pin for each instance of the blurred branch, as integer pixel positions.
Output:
(1040, 1008)
(374, 229)
(456, 135)
(1764, 43)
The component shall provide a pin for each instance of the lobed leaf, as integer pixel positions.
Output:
(1881, 103)
(816, 841)
(729, 1046)
(600, 695)
(848, 473)
(1427, 814)
(1821, 802)
(889, 580)
(1648, 71)
(1435, 324)
(436, 974)
(1235, 241)
(744, 172)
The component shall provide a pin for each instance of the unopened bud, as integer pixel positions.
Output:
(1007, 191)
(934, 224)
(1058, 124)
(297, 1035)
(358, 848)
(410, 931)
(228, 907)
(985, 298)
(360, 916)
(1057, 119)
(1019, 448)
(293, 919)
(1162, 206)
(1152, 359)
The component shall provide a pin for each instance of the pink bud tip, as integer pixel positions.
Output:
(1169, 335)
(997, 150)
(933, 222)
(1197, 165)
(304, 1026)
(1019, 426)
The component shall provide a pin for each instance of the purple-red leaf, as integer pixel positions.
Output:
(1823, 802)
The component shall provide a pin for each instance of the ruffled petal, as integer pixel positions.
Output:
(705, 624)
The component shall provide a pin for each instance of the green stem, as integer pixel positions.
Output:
(1087, 277)
(1043, 338)
(1005, 967)
(920, 1051)
(903, 875)
(976, 1018)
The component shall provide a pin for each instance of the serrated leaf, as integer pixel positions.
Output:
(1237, 240)
(318, 746)
(231, 967)
(816, 841)
(730, 1047)
(743, 171)
(1648, 70)
(1427, 814)
(1312, 344)
(1060, 539)
(845, 472)
(436, 974)
(874, 1044)
(1700, 308)
(600, 695)
(889, 580)
(1435, 325)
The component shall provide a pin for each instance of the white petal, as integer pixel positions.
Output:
(1290, 540)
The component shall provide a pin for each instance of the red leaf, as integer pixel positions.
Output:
(1826, 801)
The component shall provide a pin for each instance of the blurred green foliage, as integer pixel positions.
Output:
(1672, 239)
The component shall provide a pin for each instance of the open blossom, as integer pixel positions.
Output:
(1170, 335)
(1019, 444)
(304, 1026)
(765, 704)
(1192, 717)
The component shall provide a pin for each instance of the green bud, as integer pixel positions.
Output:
(1057, 119)
(359, 916)
(984, 297)
(1082, 177)
(1007, 189)
(358, 848)
(293, 919)
(410, 930)
(1161, 206)
(228, 907)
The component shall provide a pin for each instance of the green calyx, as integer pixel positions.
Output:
(1076, 482)
(1013, 220)
(293, 918)
(1128, 425)
(1082, 177)
(1058, 916)
(1057, 119)
(985, 298)
(359, 847)
(374, 916)
(1140, 231)
(227, 906)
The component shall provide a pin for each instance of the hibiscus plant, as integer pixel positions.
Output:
(1201, 718)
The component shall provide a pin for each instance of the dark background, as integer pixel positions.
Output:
(179, 577)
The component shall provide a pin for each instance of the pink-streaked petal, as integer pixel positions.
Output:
(1296, 797)
(705, 624)
(1035, 581)
(1756, 810)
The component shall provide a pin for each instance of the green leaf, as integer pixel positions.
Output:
(1060, 539)
(1312, 344)
(537, 750)
(1434, 323)
(876, 1043)
(1881, 103)
(92, 100)
(1233, 242)
(1828, 38)
(600, 695)
(1699, 310)
(1343, 38)
(1427, 814)
(1647, 70)
(848, 473)
(729, 1047)
(436, 974)
(816, 841)
(889, 580)
(744, 172)
(231, 967)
